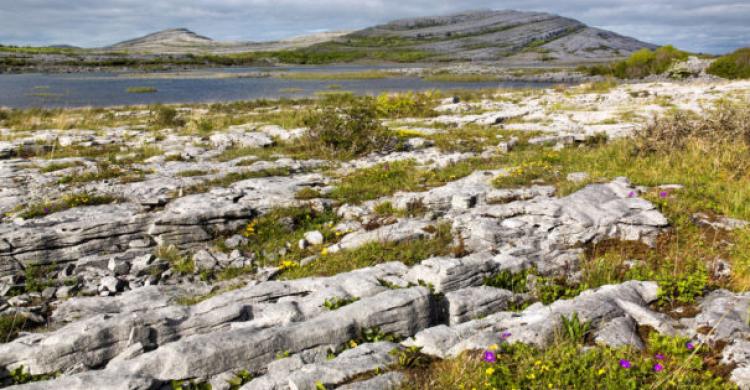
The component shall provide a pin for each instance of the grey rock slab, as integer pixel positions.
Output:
(741, 377)
(644, 316)
(387, 381)
(447, 274)
(363, 359)
(720, 222)
(619, 332)
(402, 312)
(404, 230)
(103, 328)
(475, 302)
(72, 234)
(242, 139)
(725, 313)
(535, 325)
(95, 380)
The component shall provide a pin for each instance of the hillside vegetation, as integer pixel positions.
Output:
(641, 64)
(732, 66)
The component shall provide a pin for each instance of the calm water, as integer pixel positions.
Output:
(107, 89)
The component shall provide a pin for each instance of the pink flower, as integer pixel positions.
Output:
(624, 363)
(631, 194)
(659, 356)
(505, 335)
(663, 194)
(690, 346)
(490, 357)
(658, 367)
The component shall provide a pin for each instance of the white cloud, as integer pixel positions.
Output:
(699, 25)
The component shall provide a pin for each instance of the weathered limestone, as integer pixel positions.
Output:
(535, 325)
(293, 373)
(475, 302)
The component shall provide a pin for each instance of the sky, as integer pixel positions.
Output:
(710, 26)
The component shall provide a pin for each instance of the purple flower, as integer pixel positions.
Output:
(658, 367)
(659, 356)
(663, 194)
(690, 346)
(505, 335)
(490, 357)
(624, 363)
(46, 210)
(631, 194)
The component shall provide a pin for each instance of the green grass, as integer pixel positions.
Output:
(181, 264)
(408, 252)
(279, 231)
(141, 90)
(567, 365)
(54, 167)
(68, 201)
(192, 173)
(104, 171)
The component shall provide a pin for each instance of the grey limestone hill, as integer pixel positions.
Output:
(177, 37)
(509, 36)
(182, 41)
(496, 35)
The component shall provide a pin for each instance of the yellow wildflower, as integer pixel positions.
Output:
(324, 252)
(493, 347)
(490, 371)
(531, 376)
(601, 372)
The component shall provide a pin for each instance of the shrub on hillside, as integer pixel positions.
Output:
(165, 117)
(410, 104)
(732, 66)
(640, 64)
(346, 131)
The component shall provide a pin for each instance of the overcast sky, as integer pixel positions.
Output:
(714, 26)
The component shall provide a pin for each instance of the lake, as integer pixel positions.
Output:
(110, 89)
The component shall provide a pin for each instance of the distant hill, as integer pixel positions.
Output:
(497, 35)
(165, 41)
(182, 41)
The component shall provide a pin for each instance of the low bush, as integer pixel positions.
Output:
(410, 104)
(732, 66)
(345, 132)
(163, 117)
(640, 64)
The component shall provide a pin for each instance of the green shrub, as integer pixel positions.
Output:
(162, 117)
(345, 132)
(575, 330)
(682, 289)
(640, 64)
(179, 263)
(732, 66)
(410, 104)
(515, 282)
